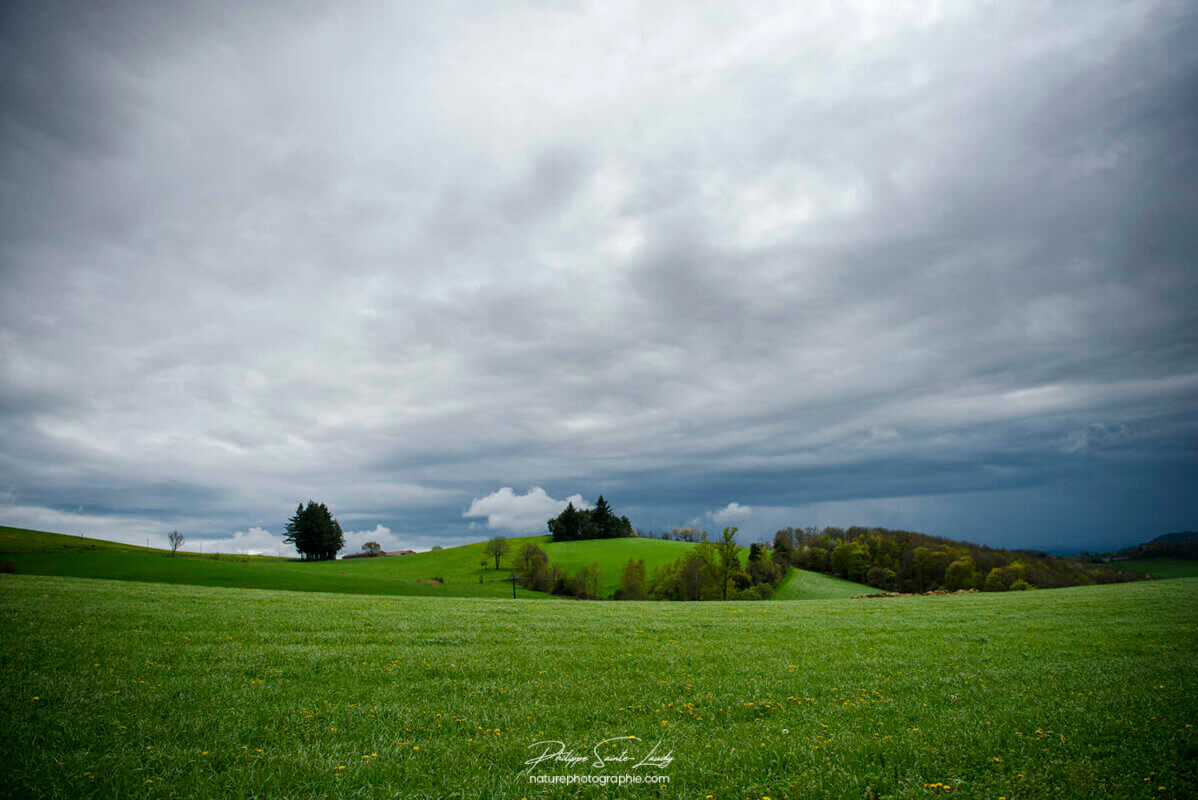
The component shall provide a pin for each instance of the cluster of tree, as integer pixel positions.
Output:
(683, 534)
(533, 571)
(1183, 544)
(599, 522)
(712, 571)
(904, 561)
(314, 532)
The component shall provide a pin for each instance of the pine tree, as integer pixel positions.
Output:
(565, 526)
(603, 519)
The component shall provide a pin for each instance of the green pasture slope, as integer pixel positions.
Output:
(800, 584)
(1161, 567)
(136, 689)
(452, 572)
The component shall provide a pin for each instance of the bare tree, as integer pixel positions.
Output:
(176, 540)
(497, 548)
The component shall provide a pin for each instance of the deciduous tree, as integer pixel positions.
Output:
(633, 582)
(496, 547)
(721, 560)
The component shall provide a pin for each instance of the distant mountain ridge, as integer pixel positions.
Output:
(1179, 536)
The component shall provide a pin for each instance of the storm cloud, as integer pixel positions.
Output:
(919, 267)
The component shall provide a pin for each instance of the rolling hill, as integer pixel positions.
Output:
(451, 572)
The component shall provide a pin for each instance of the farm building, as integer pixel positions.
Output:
(379, 555)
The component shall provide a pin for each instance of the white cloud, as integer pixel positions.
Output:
(733, 512)
(390, 540)
(254, 542)
(526, 513)
(381, 534)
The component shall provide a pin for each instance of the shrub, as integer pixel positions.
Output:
(961, 574)
(633, 584)
(881, 578)
(996, 581)
(559, 581)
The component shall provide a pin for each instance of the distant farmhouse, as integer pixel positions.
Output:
(378, 555)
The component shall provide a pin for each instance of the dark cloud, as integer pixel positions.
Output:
(912, 267)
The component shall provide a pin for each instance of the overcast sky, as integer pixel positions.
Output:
(444, 266)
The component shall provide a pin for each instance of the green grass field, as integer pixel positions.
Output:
(133, 689)
(1161, 567)
(452, 572)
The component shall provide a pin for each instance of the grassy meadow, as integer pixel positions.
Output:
(135, 689)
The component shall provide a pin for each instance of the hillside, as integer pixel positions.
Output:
(801, 584)
(42, 553)
(23, 540)
(908, 561)
(612, 555)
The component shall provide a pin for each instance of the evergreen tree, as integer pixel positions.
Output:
(565, 527)
(603, 520)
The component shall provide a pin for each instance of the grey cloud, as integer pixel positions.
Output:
(399, 257)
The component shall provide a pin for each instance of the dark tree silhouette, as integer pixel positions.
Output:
(314, 532)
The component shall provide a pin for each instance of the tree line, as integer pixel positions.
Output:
(905, 561)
